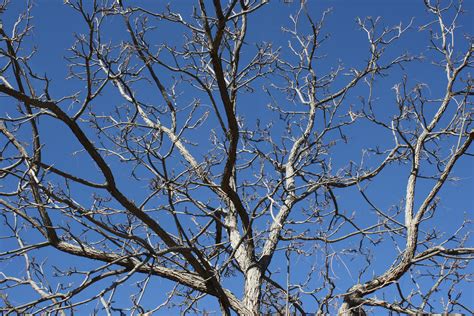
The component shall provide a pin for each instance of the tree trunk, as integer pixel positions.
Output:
(350, 308)
(253, 280)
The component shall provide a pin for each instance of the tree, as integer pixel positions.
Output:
(229, 167)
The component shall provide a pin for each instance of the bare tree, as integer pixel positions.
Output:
(178, 179)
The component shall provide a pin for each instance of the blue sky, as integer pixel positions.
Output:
(55, 24)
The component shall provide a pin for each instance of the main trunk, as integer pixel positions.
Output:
(347, 309)
(253, 278)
